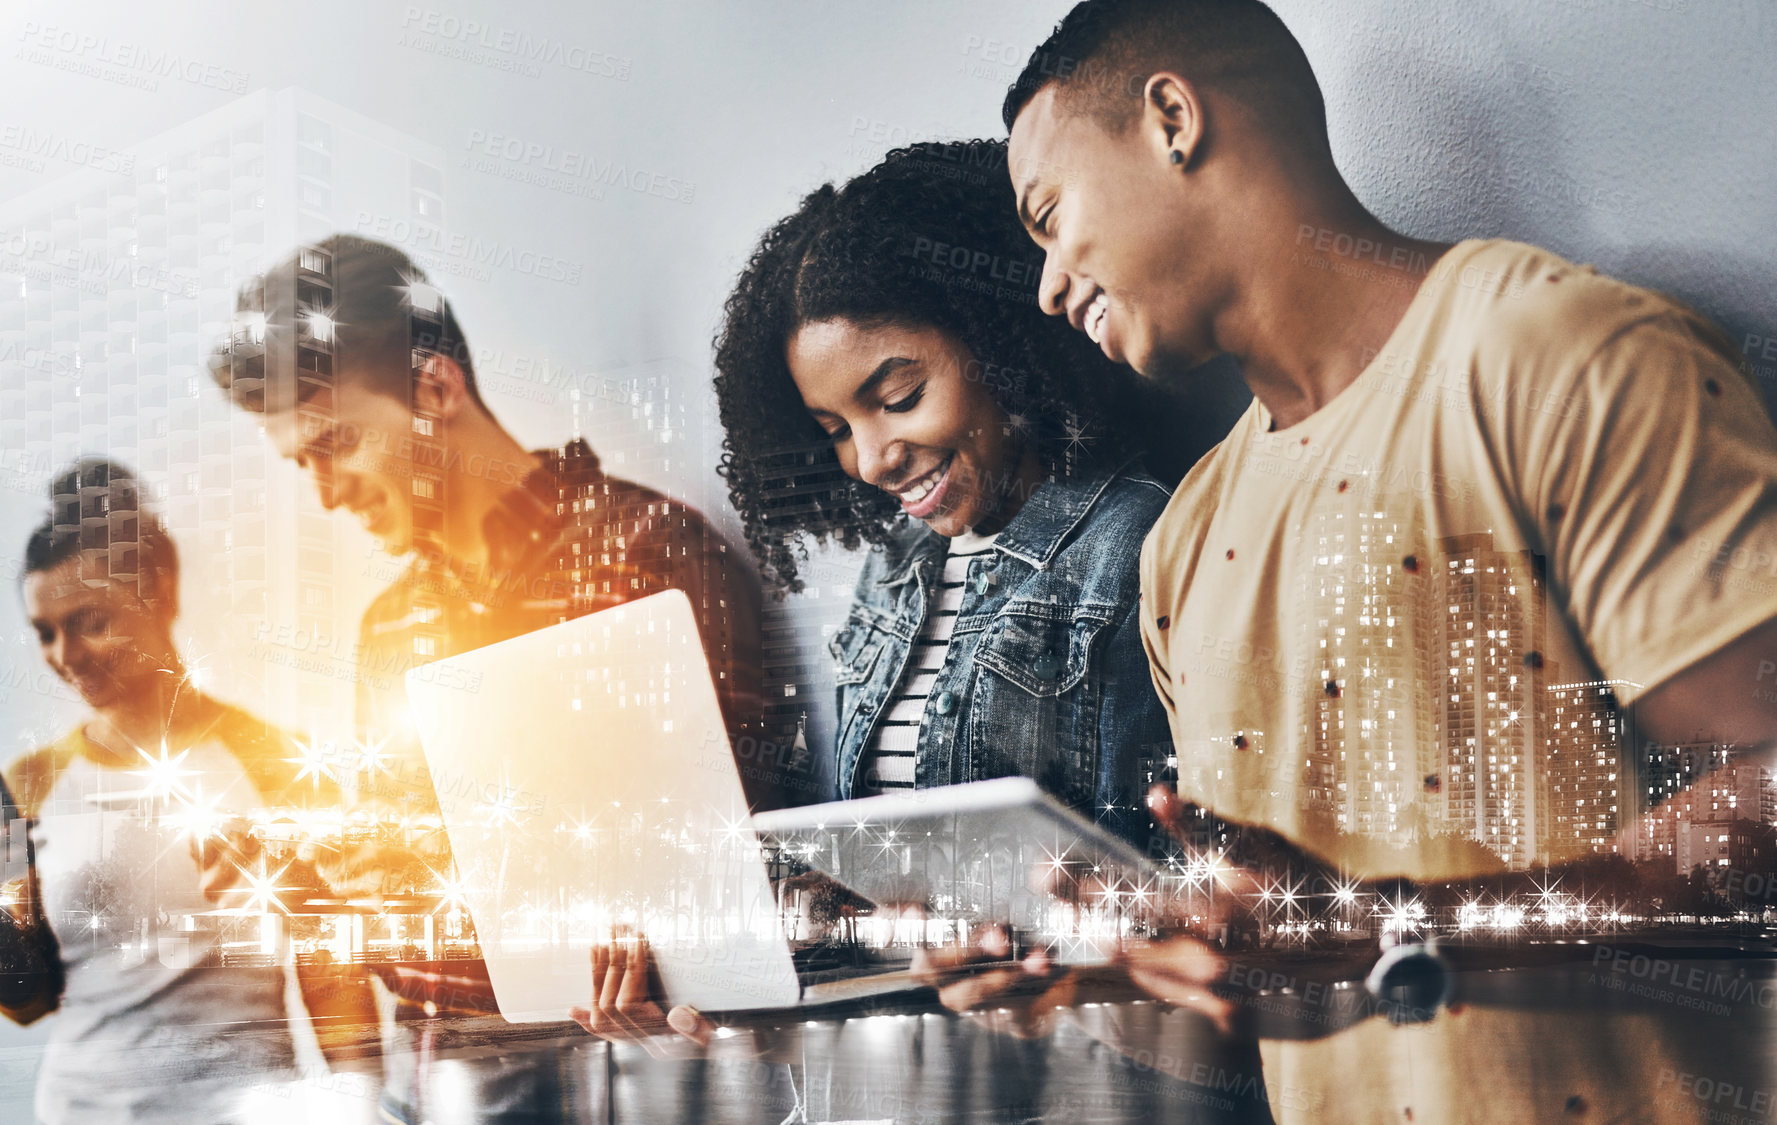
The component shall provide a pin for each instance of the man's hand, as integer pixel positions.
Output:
(626, 1005)
(1179, 969)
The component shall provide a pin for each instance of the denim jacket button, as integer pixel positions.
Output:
(946, 702)
(1047, 666)
(982, 582)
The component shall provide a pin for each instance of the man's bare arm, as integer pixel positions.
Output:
(1729, 698)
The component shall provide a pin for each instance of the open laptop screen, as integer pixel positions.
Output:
(587, 787)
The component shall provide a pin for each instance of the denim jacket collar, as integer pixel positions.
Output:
(1034, 535)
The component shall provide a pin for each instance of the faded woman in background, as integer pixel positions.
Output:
(134, 834)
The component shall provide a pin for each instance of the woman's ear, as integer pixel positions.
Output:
(161, 595)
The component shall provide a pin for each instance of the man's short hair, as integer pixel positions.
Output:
(1103, 52)
(343, 304)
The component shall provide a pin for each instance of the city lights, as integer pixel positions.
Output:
(198, 818)
(320, 326)
(164, 774)
(314, 760)
(262, 889)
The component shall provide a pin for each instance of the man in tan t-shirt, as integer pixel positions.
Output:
(1471, 474)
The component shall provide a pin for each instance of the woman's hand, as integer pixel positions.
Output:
(224, 860)
(363, 870)
(1026, 997)
(15, 861)
(627, 1005)
(1022, 998)
(1179, 970)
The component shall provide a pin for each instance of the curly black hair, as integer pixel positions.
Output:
(927, 238)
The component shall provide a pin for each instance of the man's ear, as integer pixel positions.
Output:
(1172, 117)
(440, 389)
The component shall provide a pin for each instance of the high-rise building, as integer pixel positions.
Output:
(1372, 724)
(1587, 773)
(1429, 713)
(115, 284)
(1707, 803)
(798, 668)
(1485, 632)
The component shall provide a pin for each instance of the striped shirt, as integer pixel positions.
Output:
(888, 764)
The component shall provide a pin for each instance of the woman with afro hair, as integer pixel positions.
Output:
(886, 379)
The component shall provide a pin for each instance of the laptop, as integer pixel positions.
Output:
(587, 786)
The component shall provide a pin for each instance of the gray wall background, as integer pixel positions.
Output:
(1634, 134)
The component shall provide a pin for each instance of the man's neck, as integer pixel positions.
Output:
(1318, 303)
(484, 464)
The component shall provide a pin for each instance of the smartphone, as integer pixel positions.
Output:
(14, 844)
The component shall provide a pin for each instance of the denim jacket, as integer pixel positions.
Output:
(1046, 675)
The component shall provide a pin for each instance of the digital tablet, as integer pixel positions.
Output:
(1000, 851)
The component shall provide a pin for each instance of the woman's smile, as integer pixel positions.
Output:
(904, 416)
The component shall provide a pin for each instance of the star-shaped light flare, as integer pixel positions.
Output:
(314, 759)
(261, 887)
(164, 774)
